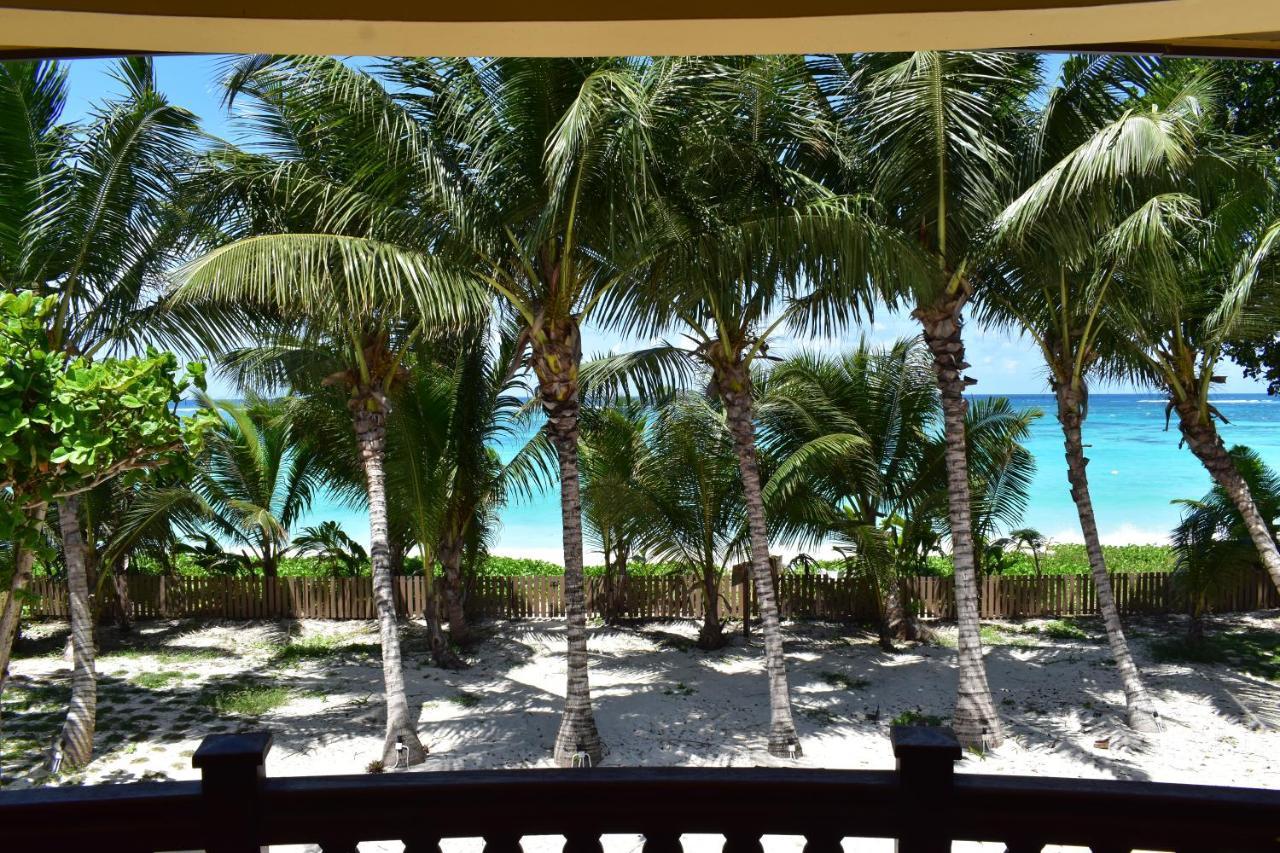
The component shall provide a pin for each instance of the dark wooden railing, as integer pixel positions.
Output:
(923, 804)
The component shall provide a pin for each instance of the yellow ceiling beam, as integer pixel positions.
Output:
(574, 27)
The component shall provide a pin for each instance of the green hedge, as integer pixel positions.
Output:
(1064, 559)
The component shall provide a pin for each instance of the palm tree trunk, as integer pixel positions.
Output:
(976, 722)
(1202, 438)
(76, 740)
(557, 354)
(733, 382)
(11, 613)
(450, 553)
(371, 436)
(711, 636)
(124, 613)
(1140, 709)
(620, 557)
(442, 654)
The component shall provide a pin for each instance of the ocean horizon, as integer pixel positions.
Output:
(1136, 471)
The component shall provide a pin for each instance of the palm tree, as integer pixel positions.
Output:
(295, 247)
(460, 401)
(1192, 253)
(485, 409)
(84, 216)
(614, 452)
(862, 464)
(687, 499)
(1033, 540)
(257, 478)
(930, 135)
(848, 433)
(524, 174)
(754, 245)
(1214, 548)
(331, 545)
(1064, 275)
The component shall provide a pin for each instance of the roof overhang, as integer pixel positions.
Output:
(592, 27)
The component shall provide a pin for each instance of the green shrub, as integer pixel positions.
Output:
(466, 699)
(157, 680)
(1060, 629)
(917, 718)
(495, 566)
(1070, 559)
(839, 679)
(250, 700)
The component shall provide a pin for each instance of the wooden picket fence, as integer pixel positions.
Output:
(800, 597)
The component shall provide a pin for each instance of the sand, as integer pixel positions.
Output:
(659, 701)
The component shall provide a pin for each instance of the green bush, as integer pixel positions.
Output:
(1063, 559)
(1071, 559)
(1060, 629)
(248, 700)
(917, 718)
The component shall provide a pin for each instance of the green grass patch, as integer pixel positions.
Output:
(158, 680)
(321, 647)
(1254, 652)
(167, 656)
(839, 679)
(248, 700)
(679, 689)
(1060, 629)
(318, 647)
(820, 715)
(917, 718)
(992, 635)
(466, 699)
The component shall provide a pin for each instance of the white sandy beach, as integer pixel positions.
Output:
(659, 701)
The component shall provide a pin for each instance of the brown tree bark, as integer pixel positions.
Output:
(711, 635)
(450, 554)
(76, 740)
(442, 653)
(124, 606)
(976, 723)
(1202, 438)
(1140, 709)
(733, 383)
(11, 613)
(557, 353)
(370, 421)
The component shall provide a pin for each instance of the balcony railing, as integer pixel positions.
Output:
(923, 804)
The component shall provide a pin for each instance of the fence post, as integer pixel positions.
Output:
(232, 768)
(926, 769)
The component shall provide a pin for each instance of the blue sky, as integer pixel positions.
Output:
(1002, 363)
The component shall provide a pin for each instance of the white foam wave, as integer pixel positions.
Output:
(1218, 402)
(1125, 534)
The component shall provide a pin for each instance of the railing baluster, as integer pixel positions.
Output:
(582, 842)
(662, 842)
(742, 842)
(502, 843)
(822, 842)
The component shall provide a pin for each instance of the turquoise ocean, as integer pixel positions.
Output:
(1137, 469)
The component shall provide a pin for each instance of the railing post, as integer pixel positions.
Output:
(232, 768)
(926, 769)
